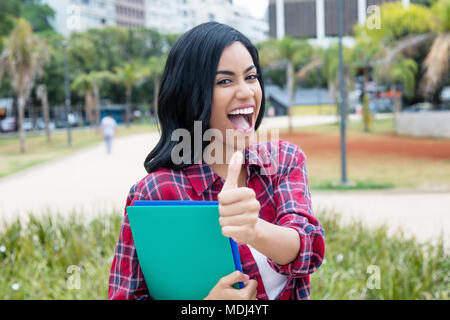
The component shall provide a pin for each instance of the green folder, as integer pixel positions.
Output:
(181, 249)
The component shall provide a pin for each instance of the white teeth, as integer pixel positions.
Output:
(242, 111)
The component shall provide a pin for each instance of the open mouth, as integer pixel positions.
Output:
(242, 118)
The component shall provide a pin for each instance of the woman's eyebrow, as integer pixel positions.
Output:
(231, 73)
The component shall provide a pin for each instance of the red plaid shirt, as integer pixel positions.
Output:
(285, 200)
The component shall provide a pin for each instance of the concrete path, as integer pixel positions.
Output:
(420, 214)
(283, 121)
(89, 181)
(92, 182)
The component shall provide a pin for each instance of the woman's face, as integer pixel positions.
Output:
(236, 97)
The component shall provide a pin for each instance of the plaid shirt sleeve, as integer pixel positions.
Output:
(126, 281)
(294, 210)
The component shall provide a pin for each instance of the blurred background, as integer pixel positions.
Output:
(362, 86)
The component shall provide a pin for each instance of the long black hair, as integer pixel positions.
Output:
(187, 87)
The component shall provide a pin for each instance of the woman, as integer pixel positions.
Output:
(212, 87)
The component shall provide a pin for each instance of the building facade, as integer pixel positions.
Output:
(80, 15)
(130, 13)
(317, 18)
(178, 16)
(166, 16)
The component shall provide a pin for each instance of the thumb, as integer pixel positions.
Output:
(234, 169)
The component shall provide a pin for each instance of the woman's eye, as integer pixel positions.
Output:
(223, 81)
(228, 81)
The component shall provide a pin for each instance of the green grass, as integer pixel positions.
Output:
(366, 264)
(352, 185)
(42, 260)
(40, 151)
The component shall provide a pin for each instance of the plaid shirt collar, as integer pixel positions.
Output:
(202, 176)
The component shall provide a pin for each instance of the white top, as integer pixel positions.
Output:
(272, 280)
(108, 126)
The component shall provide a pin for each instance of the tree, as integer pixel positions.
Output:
(330, 69)
(88, 84)
(402, 72)
(83, 84)
(405, 30)
(107, 48)
(290, 53)
(129, 74)
(53, 74)
(362, 62)
(9, 12)
(155, 69)
(366, 114)
(23, 57)
(37, 14)
(436, 64)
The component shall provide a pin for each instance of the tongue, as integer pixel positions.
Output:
(239, 121)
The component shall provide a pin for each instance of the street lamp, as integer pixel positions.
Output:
(342, 98)
(67, 94)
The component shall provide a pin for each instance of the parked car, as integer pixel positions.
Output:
(8, 124)
(27, 124)
(62, 123)
(40, 124)
(419, 107)
(445, 94)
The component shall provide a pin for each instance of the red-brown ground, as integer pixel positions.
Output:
(315, 144)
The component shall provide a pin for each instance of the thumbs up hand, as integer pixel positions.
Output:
(238, 207)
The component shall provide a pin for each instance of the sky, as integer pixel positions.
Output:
(255, 7)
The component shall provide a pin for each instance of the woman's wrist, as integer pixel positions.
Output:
(280, 244)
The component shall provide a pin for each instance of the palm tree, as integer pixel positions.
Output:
(41, 93)
(98, 77)
(402, 72)
(89, 85)
(155, 69)
(430, 26)
(83, 84)
(436, 64)
(23, 57)
(129, 75)
(330, 70)
(290, 52)
(362, 63)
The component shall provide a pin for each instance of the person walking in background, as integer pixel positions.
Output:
(109, 126)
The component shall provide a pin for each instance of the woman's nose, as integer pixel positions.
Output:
(244, 91)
